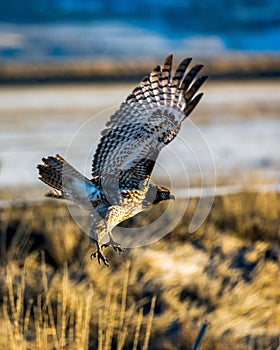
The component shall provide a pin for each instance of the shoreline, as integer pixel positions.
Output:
(237, 67)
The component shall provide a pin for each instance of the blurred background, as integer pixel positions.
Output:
(65, 61)
(71, 29)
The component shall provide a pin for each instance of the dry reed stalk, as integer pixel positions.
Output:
(27, 316)
(38, 323)
(149, 324)
(21, 242)
(111, 323)
(100, 330)
(8, 324)
(71, 335)
(79, 322)
(47, 307)
(63, 315)
(128, 318)
(138, 328)
(120, 336)
(106, 315)
(86, 321)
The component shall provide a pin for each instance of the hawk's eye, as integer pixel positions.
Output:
(164, 195)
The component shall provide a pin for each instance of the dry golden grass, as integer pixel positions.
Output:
(43, 309)
(54, 297)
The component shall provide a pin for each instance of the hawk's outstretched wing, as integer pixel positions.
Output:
(148, 120)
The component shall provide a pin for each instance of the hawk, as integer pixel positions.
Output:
(120, 187)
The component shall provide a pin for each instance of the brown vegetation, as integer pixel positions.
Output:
(240, 66)
(54, 297)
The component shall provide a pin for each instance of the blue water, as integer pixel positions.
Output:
(121, 29)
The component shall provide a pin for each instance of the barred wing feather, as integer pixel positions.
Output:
(148, 120)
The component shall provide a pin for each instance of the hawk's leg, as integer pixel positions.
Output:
(112, 218)
(117, 247)
(98, 254)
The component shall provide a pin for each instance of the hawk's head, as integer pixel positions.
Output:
(157, 194)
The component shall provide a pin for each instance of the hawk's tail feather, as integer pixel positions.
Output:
(163, 89)
(66, 181)
(52, 172)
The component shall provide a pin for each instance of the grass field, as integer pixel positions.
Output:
(53, 296)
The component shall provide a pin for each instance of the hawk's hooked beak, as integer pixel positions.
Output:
(171, 197)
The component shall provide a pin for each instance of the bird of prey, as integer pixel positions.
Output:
(120, 187)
